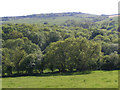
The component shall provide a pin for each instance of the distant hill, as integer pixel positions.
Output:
(57, 18)
(54, 18)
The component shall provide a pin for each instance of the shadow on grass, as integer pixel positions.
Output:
(57, 73)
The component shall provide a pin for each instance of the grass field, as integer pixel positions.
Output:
(95, 79)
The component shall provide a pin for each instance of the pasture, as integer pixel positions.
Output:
(94, 79)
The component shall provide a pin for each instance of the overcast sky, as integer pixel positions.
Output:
(27, 7)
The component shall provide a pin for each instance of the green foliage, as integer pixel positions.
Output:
(109, 48)
(11, 60)
(111, 62)
(79, 54)
(75, 45)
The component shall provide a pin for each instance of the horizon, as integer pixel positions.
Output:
(63, 12)
(24, 8)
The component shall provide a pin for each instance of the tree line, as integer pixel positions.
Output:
(32, 48)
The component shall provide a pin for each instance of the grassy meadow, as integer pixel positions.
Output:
(94, 79)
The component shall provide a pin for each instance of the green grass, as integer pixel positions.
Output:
(95, 79)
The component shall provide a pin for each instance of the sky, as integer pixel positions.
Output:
(28, 7)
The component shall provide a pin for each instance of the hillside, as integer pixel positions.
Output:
(55, 18)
